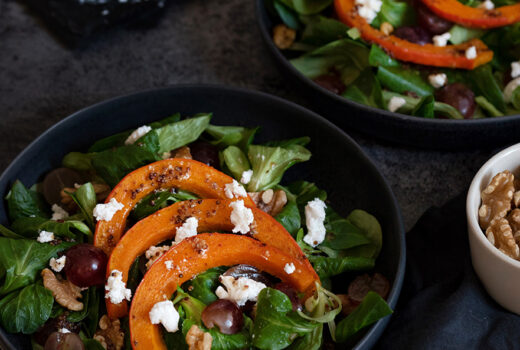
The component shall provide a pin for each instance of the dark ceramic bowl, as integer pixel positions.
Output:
(396, 127)
(338, 164)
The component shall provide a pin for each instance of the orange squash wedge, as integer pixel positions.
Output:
(198, 254)
(450, 56)
(186, 174)
(468, 16)
(212, 215)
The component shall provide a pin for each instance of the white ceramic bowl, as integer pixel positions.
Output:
(499, 273)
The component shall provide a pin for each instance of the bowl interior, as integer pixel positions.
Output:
(337, 165)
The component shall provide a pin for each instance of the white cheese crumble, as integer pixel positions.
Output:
(106, 211)
(395, 103)
(487, 5)
(239, 290)
(64, 330)
(368, 9)
(438, 80)
(441, 40)
(289, 268)
(153, 253)
(58, 264)
(471, 53)
(515, 69)
(314, 217)
(234, 189)
(188, 229)
(241, 217)
(510, 88)
(169, 264)
(58, 213)
(45, 236)
(246, 176)
(164, 312)
(116, 288)
(137, 134)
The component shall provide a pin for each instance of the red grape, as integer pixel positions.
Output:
(224, 314)
(86, 265)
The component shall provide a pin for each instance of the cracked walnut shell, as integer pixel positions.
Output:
(500, 234)
(64, 292)
(496, 198)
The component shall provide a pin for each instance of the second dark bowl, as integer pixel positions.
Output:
(400, 128)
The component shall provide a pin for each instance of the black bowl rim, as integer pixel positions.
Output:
(431, 122)
(374, 332)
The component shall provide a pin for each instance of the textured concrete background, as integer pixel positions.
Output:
(197, 41)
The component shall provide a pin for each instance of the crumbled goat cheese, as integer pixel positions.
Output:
(471, 53)
(116, 288)
(45, 236)
(234, 189)
(58, 213)
(106, 211)
(241, 217)
(395, 103)
(368, 9)
(64, 330)
(314, 217)
(153, 253)
(487, 5)
(58, 264)
(515, 69)
(169, 264)
(438, 80)
(441, 40)
(137, 134)
(289, 268)
(246, 176)
(239, 290)
(510, 88)
(188, 229)
(164, 312)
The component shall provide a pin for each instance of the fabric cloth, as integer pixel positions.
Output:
(74, 21)
(443, 305)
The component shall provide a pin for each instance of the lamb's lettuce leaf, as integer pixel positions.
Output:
(365, 89)
(78, 161)
(307, 7)
(412, 102)
(21, 260)
(288, 16)
(320, 30)
(203, 286)
(23, 202)
(231, 135)
(397, 13)
(70, 228)
(26, 310)
(488, 107)
(483, 83)
(461, 34)
(5, 232)
(85, 198)
(327, 267)
(378, 57)
(371, 309)
(270, 163)
(310, 341)
(235, 160)
(401, 80)
(175, 135)
(290, 217)
(276, 325)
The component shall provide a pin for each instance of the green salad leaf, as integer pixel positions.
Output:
(231, 135)
(397, 13)
(488, 107)
(346, 56)
(270, 163)
(21, 260)
(320, 30)
(31, 227)
(175, 135)
(235, 161)
(425, 108)
(202, 286)
(85, 198)
(365, 89)
(412, 102)
(310, 341)
(371, 228)
(5, 232)
(78, 161)
(288, 16)
(484, 84)
(401, 80)
(26, 310)
(327, 267)
(461, 34)
(276, 324)
(290, 217)
(371, 309)
(23, 202)
(378, 57)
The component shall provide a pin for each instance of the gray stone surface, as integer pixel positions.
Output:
(197, 41)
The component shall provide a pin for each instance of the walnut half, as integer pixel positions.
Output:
(64, 292)
(500, 235)
(197, 339)
(272, 202)
(283, 36)
(496, 198)
(109, 334)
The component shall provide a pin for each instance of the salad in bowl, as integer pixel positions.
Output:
(182, 234)
(444, 59)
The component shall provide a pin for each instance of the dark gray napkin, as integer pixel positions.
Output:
(443, 305)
